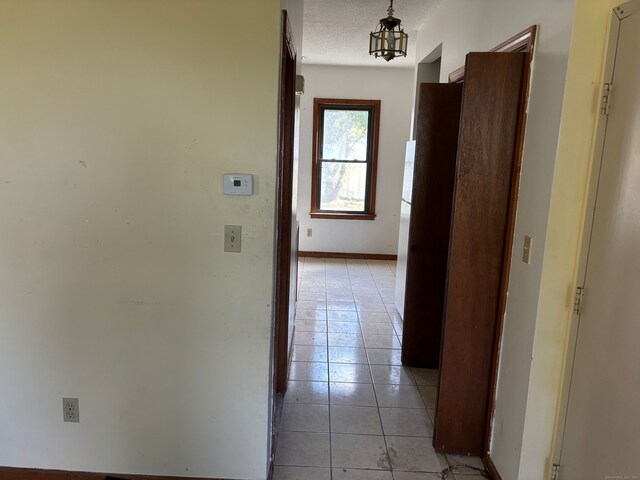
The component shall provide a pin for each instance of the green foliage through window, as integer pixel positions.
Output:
(344, 158)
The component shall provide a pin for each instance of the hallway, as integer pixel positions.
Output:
(352, 412)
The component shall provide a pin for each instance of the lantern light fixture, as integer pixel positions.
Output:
(388, 40)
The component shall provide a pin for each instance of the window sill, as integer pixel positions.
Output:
(343, 216)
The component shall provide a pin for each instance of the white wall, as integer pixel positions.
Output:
(462, 26)
(394, 87)
(116, 121)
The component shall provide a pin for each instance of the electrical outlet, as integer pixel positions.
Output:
(309, 232)
(70, 410)
(232, 238)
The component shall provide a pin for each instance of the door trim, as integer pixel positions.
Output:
(522, 42)
(595, 171)
(284, 248)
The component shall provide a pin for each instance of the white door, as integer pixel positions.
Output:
(602, 430)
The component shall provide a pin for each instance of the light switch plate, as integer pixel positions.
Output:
(237, 184)
(232, 238)
(526, 249)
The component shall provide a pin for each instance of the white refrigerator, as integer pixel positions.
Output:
(405, 215)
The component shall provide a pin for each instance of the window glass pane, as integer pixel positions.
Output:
(343, 186)
(345, 135)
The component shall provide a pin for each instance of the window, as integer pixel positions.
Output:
(345, 150)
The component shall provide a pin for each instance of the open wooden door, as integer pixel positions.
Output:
(285, 267)
(487, 149)
(430, 222)
(286, 246)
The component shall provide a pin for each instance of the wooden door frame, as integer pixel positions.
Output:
(284, 191)
(284, 220)
(521, 42)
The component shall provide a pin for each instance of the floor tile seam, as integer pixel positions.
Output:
(356, 383)
(375, 395)
(396, 385)
(300, 466)
(328, 383)
(382, 348)
(405, 408)
(368, 364)
(306, 361)
(306, 431)
(309, 405)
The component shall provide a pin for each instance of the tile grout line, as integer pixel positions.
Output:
(375, 394)
(412, 376)
(372, 384)
(326, 320)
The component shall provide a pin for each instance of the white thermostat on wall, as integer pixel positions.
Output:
(237, 184)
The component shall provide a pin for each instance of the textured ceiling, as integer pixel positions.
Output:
(336, 32)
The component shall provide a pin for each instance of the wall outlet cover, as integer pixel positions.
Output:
(70, 410)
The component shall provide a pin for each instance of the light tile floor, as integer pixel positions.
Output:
(352, 411)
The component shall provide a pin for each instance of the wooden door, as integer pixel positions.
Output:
(430, 222)
(286, 246)
(601, 437)
(486, 152)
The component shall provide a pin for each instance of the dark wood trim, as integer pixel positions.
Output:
(342, 216)
(345, 101)
(457, 76)
(518, 42)
(356, 256)
(284, 203)
(270, 471)
(314, 158)
(525, 38)
(14, 473)
(284, 255)
(491, 468)
(521, 42)
(376, 104)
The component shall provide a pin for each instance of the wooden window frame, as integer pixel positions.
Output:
(369, 214)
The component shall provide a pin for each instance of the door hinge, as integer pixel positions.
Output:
(555, 471)
(577, 301)
(606, 98)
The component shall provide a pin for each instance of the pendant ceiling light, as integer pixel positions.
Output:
(388, 40)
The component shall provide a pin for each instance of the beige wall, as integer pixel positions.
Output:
(117, 119)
